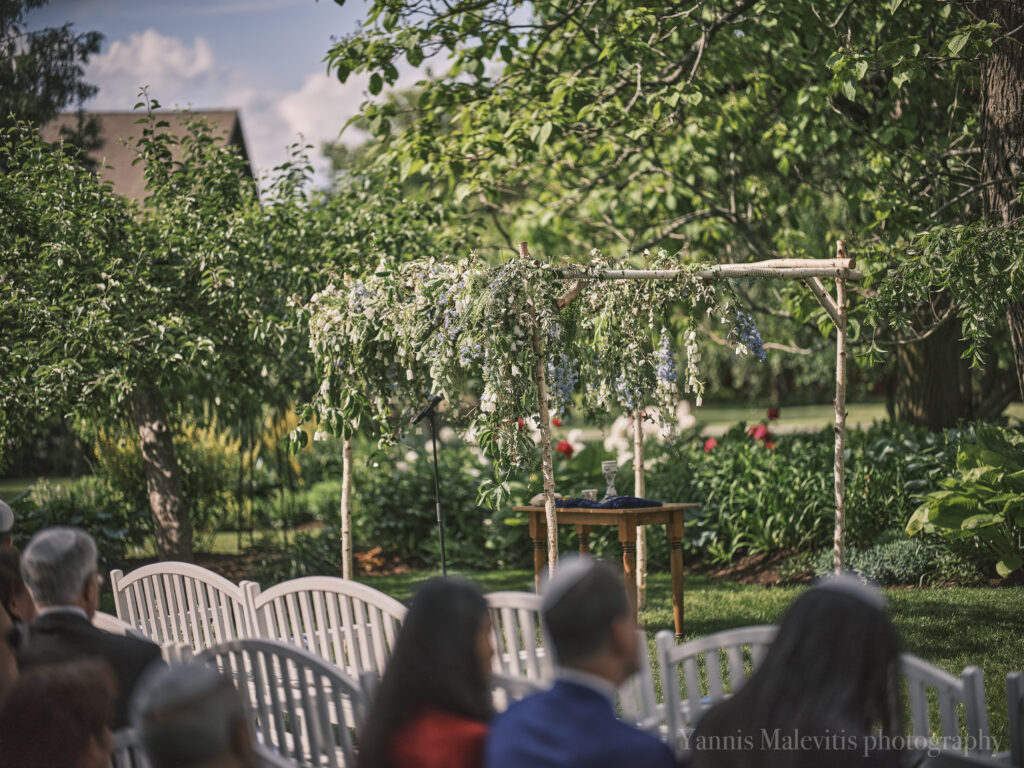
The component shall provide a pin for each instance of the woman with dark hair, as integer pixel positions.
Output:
(434, 703)
(14, 594)
(826, 693)
(57, 715)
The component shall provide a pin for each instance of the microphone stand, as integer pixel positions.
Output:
(431, 408)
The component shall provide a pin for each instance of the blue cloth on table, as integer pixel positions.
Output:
(615, 502)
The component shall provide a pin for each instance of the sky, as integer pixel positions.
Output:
(263, 57)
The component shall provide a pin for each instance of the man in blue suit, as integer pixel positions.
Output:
(593, 631)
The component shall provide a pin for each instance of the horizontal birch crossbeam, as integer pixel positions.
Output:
(790, 268)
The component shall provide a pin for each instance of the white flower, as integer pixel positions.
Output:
(411, 456)
(489, 401)
(319, 436)
(409, 375)
(446, 434)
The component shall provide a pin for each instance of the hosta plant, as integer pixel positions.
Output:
(984, 499)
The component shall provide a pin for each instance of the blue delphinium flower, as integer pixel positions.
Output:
(666, 370)
(562, 377)
(748, 335)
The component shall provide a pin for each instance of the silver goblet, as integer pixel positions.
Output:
(609, 470)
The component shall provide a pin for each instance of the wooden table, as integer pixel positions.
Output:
(583, 519)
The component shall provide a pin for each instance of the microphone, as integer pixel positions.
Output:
(432, 402)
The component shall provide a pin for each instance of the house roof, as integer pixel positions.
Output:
(119, 133)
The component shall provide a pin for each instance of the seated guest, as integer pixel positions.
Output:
(57, 715)
(6, 524)
(9, 639)
(826, 693)
(434, 702)
(60, 569)
(593, 630)
(14, 594)
(191, 716)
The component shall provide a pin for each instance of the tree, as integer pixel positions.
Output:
(41, 72)
(113, 311)
(735, 129)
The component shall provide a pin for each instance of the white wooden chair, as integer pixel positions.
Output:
(967, 691)
(516, 624)
(349, 624)
(506, 689)
(297, 703)
(638, 700)
(1015, 717)
(128, 752)
(736, 645)
(112, 624)
(173, 602)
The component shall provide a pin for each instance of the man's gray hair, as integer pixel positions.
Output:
(56, 564)
(188, 714)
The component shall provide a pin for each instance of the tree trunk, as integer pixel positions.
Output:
(171, 522)
(930, 391)
(346, 509)
(1002, 137)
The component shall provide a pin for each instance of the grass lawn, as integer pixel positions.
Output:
(950, 628)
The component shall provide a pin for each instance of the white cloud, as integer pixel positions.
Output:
(174, 70)
(179, 73)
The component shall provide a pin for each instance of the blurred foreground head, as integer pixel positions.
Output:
(589, 619)
(190, 716)
(57, 715)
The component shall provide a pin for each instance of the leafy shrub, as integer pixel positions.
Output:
(897, 559)
(208, 458)
(314, 553)
(393, 508)
(984, 500)
(85, 503)
(759, 500)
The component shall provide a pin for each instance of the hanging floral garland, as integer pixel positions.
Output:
(475, 333)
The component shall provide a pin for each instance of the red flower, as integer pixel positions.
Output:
(555, 421)
(769, 445)
(759, 432)
(710, 444)
(773, 413)
(565, 448)
(520, 423)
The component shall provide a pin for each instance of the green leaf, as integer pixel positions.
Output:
(956, 43)
(544, 133)
(850, 90)
(376, 83)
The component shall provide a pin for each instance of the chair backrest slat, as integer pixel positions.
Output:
(301, 706)
(1015, 716)
(174, 602)
(344, 622)
(516, 627)
(967, 691)
(683, 710)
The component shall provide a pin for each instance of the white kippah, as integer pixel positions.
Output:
(6, 517)
(570, 572)
(51, 545)
(850, 584)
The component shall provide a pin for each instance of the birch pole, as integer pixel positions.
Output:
(639, 490)
(546, 465)
(839, 549)
(346, 509)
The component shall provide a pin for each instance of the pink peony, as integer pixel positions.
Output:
(565, 448)
(710, 444)
(759, 432)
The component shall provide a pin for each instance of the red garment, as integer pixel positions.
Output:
(436, 739)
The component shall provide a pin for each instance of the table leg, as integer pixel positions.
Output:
(583, 531)
(627, 536)
(539, 534)
(674, 529)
